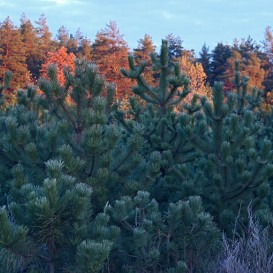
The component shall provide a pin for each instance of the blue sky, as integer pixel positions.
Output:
(195, 21)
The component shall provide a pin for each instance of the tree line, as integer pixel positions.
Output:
(28, 49)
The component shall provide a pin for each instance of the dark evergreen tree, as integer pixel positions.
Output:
(175, 47)
(205, 60)
(220, 55)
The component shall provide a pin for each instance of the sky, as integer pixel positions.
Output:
(195, 21)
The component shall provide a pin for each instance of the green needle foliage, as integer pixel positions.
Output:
(96, 151)
(151, 240)
(88, 188)
(236, 161)
(49, 227)
(163, 145)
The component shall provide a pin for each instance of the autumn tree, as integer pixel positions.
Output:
(196, 75)
(250, 67)
(230, 70)
(85, 49)
(74, 42)
(62, 60)
(62, 36)
(142, 53)
(12, 56)
(45, 43)
(31, 47)
(43, 32)
(255, 71)
(110, 54)
(268, 43)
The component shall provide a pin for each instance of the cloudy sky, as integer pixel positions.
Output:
(195, 21)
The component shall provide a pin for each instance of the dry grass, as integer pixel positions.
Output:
(251, 253)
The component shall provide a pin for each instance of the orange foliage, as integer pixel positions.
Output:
(110, 53)
(197, 76)
(62, 60)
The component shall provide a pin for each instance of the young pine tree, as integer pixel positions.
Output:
(236, 161)
(48, 226)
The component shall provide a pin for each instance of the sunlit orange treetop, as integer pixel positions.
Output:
(62, 60)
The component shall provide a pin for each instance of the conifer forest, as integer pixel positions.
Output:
(146, 160)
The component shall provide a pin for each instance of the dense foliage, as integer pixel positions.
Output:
(86, 186)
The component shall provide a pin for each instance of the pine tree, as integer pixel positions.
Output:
(44, 34)
(163, 145)
(151, 240)
(142, 53)
(174, 46)
(171, 157)
(268, 50)
(220, 55)
(110, 51)
(255, 72)
(69, 41)
(85, 49)
(113, 164)
(247, 47)
(237, 162)
(47, 226)
(205, 60)
(51, 159)
(30, 45)
(63, 36)
(12, 56)
(73, 44)
(45, 44)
